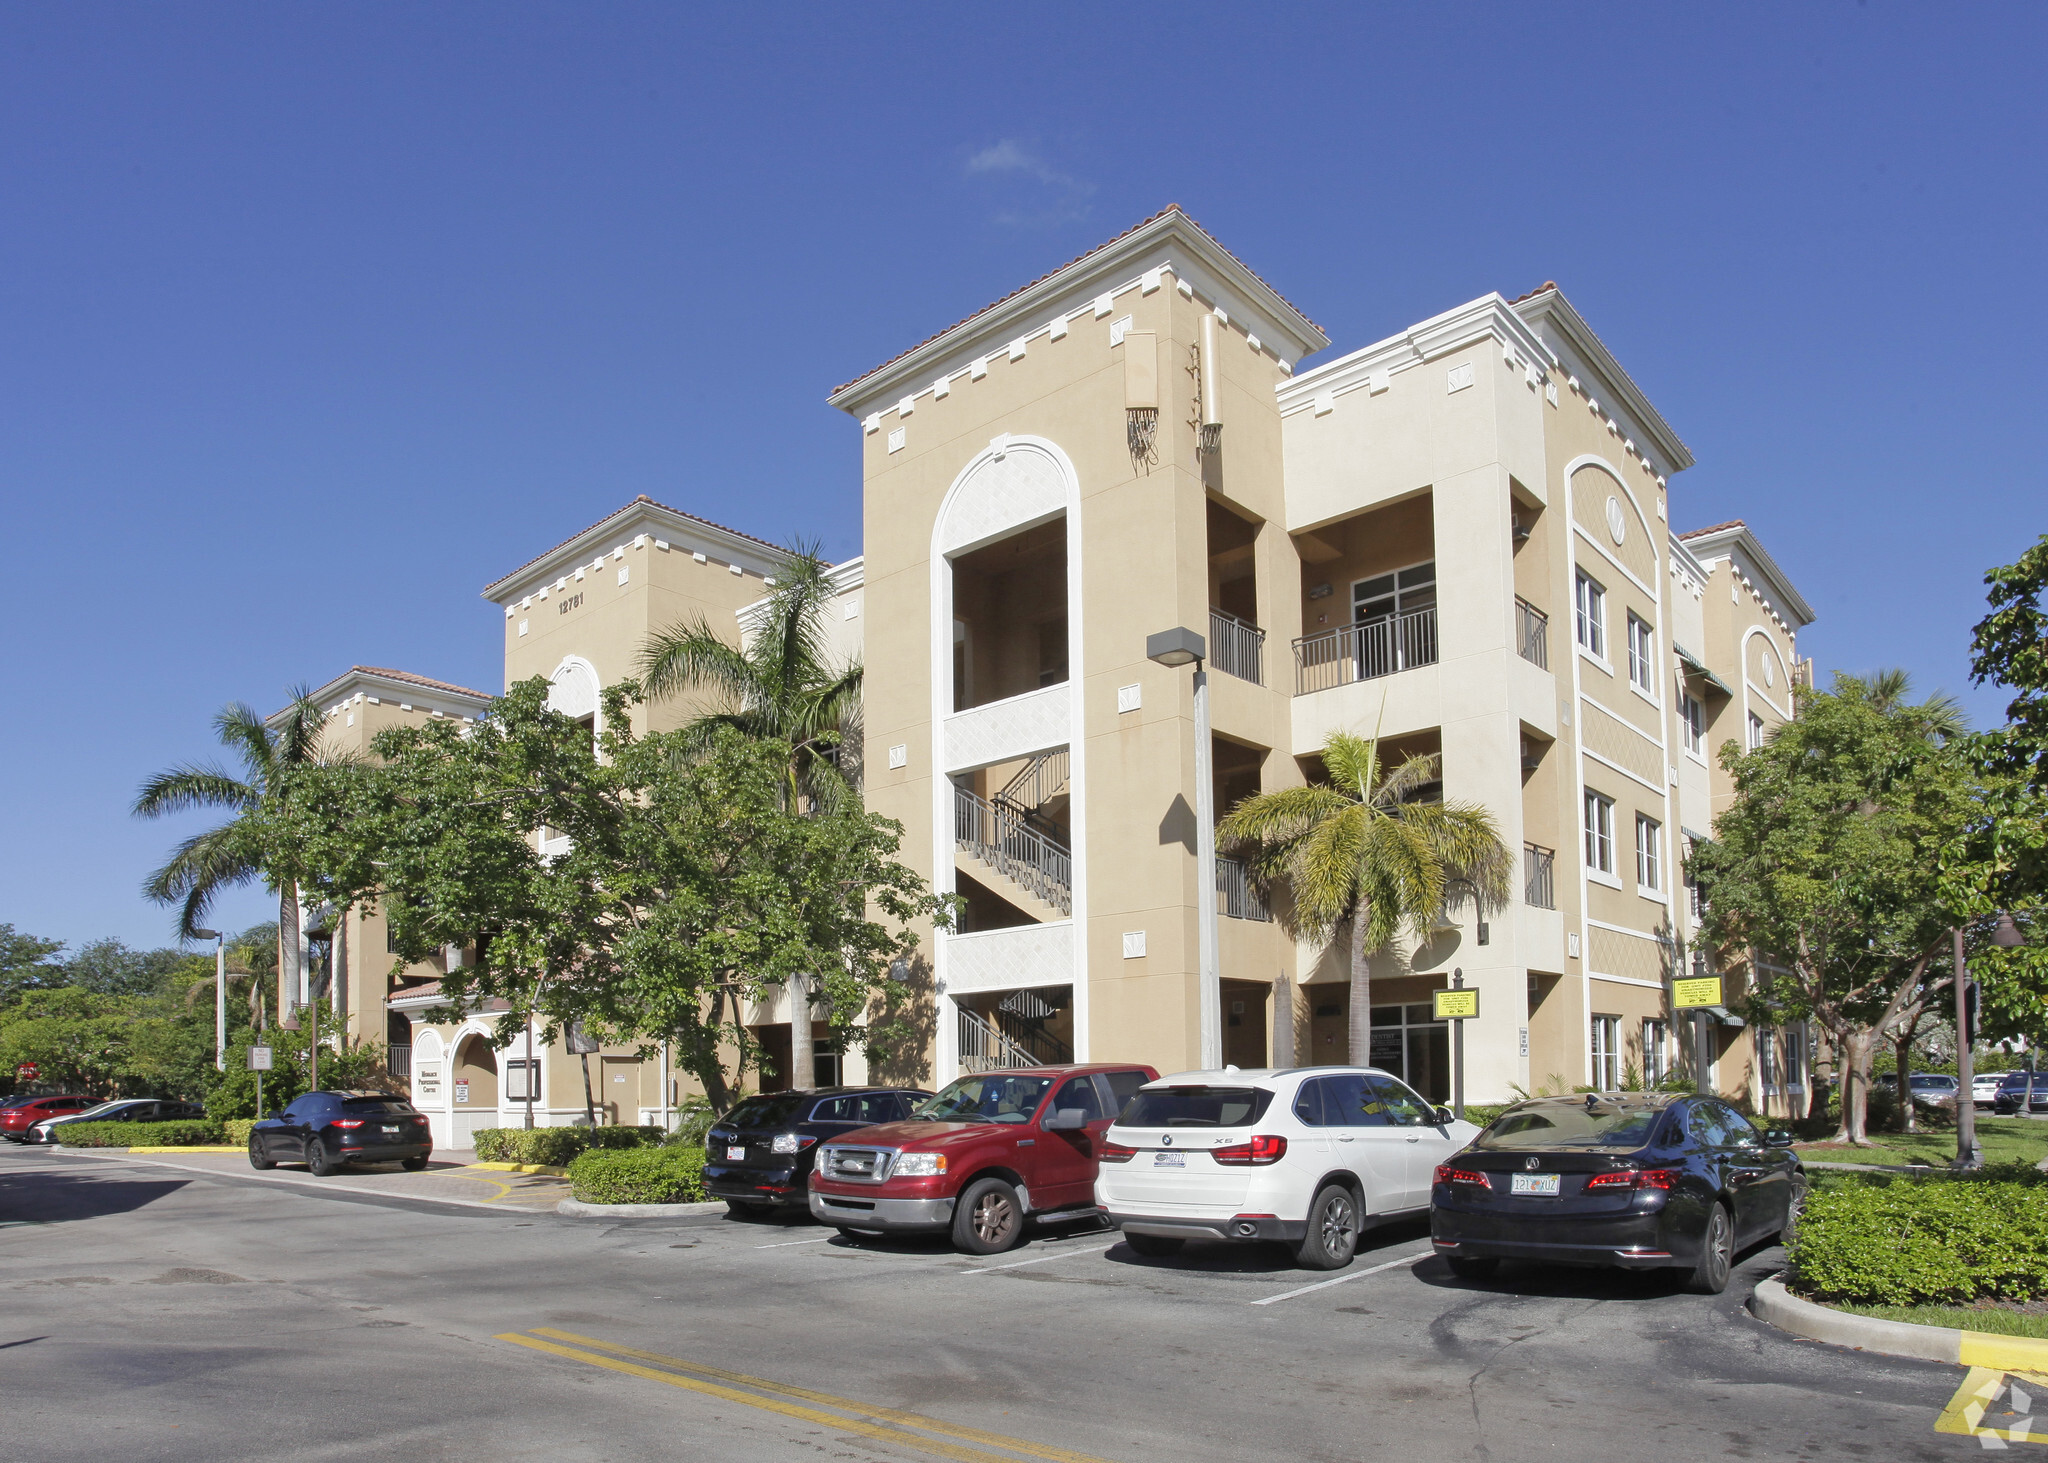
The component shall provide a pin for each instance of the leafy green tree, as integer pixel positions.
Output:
(233, 1094)
(241, 849)
(677, 884)
(1822, 874)
(1368, 849)
(106, 1045)
(114, 969)
(25, 963)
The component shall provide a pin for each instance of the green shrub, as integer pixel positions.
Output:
(1480, 1114)
(555, 1146)
(639, 1176)
(236, 1131)
(1940, 1240)
(186, 1134)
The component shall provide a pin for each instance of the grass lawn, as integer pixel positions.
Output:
(2002, 1139)
(2004, 1323)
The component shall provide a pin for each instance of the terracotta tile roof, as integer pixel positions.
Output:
(411, 679)
(1170, 208)
(1547, 285)
(1713, 528)
(638, 499)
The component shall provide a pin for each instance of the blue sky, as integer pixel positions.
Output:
(313, 320)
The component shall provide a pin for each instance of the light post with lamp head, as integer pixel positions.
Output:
(2006, 935)
(1175, 648)
(220, 998)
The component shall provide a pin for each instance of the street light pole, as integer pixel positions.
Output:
(1968, 1154)
(1172, 648)
(220, 998)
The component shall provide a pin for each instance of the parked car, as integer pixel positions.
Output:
(1638, 1180)
(24, 1112)
(1984, 1087)
(1309, 1157)
(325, 1130)
(120, 1110)
(758, 1156)
(1933, 1089)
(990, 1153)
(2021, 1092)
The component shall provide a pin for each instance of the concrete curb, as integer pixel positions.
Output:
(1777, 1306)
(546, 1168)
(577, 1209)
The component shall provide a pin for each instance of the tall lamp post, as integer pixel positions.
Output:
(1174, 648)
(2006, 935)
(220, 998)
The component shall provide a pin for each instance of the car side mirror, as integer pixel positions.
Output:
(1444, 1117)
(1778, 1138)
(1065, 1120)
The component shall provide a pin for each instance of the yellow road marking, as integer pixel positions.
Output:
(504, 1190)
(789, 1409)
(1964, 1414)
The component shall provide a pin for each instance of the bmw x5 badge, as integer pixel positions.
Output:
(1531, 1161)
(1166, 1139)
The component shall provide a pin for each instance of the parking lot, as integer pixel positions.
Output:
(177, 1313)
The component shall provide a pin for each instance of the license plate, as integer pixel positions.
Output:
(1169, 1160)
(734, 1155)
(391, 1129)
(1534, 1183)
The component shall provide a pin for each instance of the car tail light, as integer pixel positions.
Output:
(1115, 1152)
(1635, 1178)
(1263, 1149)
(347, 1123)
(1446, 1174)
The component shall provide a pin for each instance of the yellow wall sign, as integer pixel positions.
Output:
(1688, 995)
(1457, 1005)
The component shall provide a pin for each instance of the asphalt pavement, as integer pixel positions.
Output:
(155, 1311)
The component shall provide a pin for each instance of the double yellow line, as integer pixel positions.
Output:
(887, 1423)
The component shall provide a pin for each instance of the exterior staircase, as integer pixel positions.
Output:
(1005, 844)
(1016, 1037)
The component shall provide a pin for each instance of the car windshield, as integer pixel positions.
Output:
(1573, 1125)
(1196, 1107)
(995, 1098)
(770, 1110)
(1933, 1081)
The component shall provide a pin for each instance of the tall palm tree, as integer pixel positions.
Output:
(779, 685)
(1368, 849)
(207, 863)
(1940, 718)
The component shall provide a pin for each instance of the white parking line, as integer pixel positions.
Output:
(1038, 1260)
(785, 1244)
(1353, 1275)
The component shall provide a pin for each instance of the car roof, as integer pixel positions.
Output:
(1063, 1069)
(1238, 1076)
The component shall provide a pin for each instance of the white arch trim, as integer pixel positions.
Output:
(573, 690)
(1593, 459)
(1758, 632)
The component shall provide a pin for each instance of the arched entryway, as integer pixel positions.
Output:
(473, 1080)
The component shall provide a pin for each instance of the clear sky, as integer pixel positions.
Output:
(315, 319)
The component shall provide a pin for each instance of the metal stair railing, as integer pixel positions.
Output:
(1042, 779)
(983, 1048)
(1000, 838)
(1022, 1017)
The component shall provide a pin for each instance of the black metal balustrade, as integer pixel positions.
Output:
(1000, 838)
(1235, 897)
(1532, 634)
(1237, 647)
(1539, 876)
(1364, 652)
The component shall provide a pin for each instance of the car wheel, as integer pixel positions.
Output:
(1717, 1254)
(988, 1219)
(413, 1165)
(1332, 1237)
(256, 1155)
(318, 1163)
(1795, 1210)
(1472, 1267)
(1154, 1246)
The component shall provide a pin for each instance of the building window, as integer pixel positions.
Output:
(1607, 1053)
(1656, 1052)
(1795, 1058)
(1692, 717)
(1756, 731)
(1649, 853)
(1642, 657)
(1589, 605)
(1411, 1043)
(1599, 833)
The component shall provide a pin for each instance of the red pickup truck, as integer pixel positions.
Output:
(989, 1152)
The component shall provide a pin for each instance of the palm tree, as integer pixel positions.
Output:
(1368, 848)
(207, 863)
(779, 685)
(1940, 718)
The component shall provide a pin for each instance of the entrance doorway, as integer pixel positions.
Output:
(1244, 1023)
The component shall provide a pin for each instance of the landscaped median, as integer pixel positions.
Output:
(1949, 1267)
(632, 1183)
(195, 1136)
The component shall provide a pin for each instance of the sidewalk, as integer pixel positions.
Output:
(451, 1178)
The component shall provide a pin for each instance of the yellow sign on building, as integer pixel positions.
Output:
(1688, 995)
(1457, 1005)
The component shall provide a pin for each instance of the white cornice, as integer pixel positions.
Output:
(361, 683)
(1753, 563)
(840, 579)
(1172, 242)
(1685, 559)
(1489, 315)
(643, 518)
(1574, 338)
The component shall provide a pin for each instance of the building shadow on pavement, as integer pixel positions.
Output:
(1592, 1282)
(54, 1198)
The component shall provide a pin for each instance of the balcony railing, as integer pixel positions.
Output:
(398, 1059)
(1363, 652)
(1237, 647)
(1532, 634)
(1235, 897)
(1000, 838)
(1539, 876)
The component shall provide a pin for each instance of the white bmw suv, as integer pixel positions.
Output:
(1306, 1155)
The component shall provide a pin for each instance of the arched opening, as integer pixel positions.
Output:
(397, 1045)
(475, 1077)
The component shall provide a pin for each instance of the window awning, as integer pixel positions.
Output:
(1699, 668)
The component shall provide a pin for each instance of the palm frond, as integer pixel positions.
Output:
(199, 869)
(300, 728)
(183, 788)
(1353, 763)
(1417, 772)
(691, 655)
(241, 728)
(1280, 817)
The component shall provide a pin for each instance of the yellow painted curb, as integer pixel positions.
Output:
(546, 1168)
(212, 1148)
(2003, 1353)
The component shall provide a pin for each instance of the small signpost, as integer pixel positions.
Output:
(27, 1072)
(1457, 1006)
(1697, 994)
(259, 1063)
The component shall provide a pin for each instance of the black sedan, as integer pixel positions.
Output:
(758, 1157)
(2021, 1092)
(325, 1130)
(1640, 1180)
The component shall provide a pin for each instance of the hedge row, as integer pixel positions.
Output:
(191, 1133)
(236, 1131)
(1944, 1240)
(639, 1176)
(555, 1146)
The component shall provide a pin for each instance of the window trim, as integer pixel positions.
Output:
(1596, 617)
(1595, 841)
(1686, 739)
(1755, 730)
(1600, 1025)
(1647, 686)
(1396, 573)
(1655, 863)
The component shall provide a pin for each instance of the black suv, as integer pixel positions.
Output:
(2021, 1092)
(758, 1157)
(324, 1130)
